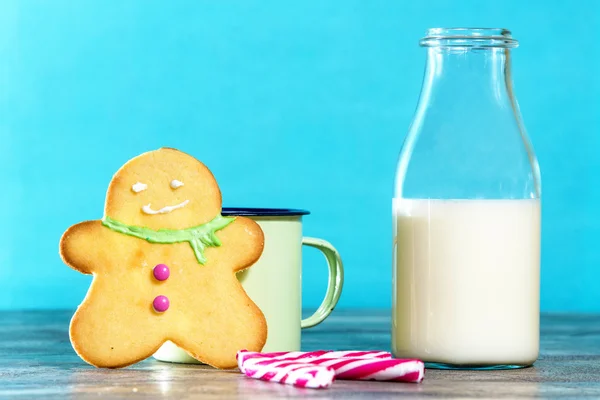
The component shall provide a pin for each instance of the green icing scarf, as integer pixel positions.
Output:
(199, 237)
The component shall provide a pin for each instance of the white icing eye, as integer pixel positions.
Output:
(139, 187)
(176, 184)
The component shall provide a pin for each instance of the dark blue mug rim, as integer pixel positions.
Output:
(262, 212)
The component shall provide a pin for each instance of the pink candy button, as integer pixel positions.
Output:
(161, 272)
(161, 303)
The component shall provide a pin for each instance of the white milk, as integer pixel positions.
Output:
(466, 281)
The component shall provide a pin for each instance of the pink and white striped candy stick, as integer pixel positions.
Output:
(363, 365)
(289, 372)
(311, 355)
(367, 369)
(328, 354)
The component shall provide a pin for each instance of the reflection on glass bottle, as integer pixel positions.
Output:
(466, 212)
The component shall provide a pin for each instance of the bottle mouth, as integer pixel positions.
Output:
(468, 37)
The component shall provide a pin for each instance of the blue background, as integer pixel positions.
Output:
(291, 104)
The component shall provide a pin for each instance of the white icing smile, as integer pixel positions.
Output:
(147, 209)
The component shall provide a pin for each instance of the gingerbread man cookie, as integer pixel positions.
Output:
(164, 262)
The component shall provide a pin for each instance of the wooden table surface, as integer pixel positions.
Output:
(36, 360)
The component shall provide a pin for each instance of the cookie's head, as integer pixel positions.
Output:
(165, 188)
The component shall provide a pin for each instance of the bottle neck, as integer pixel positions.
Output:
(481, 75)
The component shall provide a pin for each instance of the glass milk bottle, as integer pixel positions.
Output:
(466, 213)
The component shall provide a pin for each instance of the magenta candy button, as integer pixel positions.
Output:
(161, 303)
(161, 272)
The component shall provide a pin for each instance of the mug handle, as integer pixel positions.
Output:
(334, 286)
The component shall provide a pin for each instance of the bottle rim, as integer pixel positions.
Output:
(468, 38)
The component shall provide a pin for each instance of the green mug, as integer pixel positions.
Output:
(274, 282)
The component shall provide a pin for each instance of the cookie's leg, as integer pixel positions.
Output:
(112, 328)
(216, 331)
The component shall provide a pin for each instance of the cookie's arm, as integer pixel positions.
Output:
(79, 244)
(242, 243)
